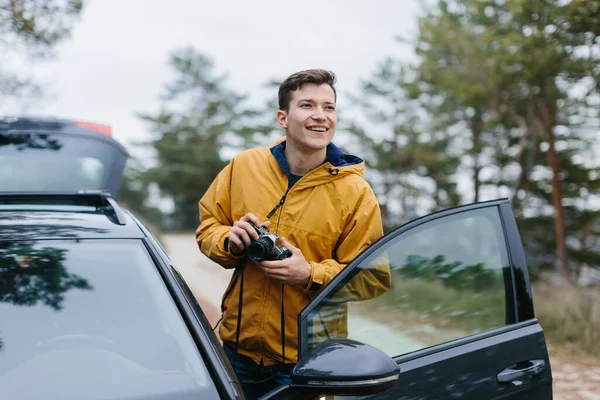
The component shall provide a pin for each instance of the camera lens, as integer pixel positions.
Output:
(259, 249)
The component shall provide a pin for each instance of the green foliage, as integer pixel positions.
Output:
(32, 28)
(199, 118)
(134, 194)
(412, 161)
(37, 24)
(504, 93)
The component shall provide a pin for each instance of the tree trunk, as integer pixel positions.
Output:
(557, 198)
(520, 157)
(531, 129)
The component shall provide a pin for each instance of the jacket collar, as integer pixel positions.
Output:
(335, 157)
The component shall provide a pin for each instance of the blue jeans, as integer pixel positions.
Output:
(257, 380)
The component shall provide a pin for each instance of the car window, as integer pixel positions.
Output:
(448, 279)
(39, 162)
(92, 316)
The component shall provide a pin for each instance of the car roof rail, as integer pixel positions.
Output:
(100, 199)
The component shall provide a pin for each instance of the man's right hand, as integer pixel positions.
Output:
(242, 233)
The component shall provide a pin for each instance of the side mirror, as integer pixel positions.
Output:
(344, 367)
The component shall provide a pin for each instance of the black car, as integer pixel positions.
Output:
(91, 307)
(51, 154)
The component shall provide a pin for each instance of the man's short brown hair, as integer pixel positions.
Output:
(295, 81)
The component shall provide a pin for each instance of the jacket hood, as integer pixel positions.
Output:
(337, 165)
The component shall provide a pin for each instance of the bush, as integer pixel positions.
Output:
(569, 314)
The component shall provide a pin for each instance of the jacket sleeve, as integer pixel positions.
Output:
(216, 221)
(362, 230)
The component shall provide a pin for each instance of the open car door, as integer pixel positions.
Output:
(458, 319)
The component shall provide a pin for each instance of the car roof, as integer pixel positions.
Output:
(36, 216)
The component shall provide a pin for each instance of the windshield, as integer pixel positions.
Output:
(92, 319)
(45, 162)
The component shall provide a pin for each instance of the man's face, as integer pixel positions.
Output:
(310, 121)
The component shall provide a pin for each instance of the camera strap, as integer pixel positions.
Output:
(278, 204)
(282, 324)
(239, 318)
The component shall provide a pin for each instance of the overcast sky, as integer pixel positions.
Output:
(115, 64)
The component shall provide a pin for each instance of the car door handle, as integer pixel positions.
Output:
(522, 370)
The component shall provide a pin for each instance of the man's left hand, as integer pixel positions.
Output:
(294, 270)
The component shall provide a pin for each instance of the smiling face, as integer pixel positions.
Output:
(311, 117)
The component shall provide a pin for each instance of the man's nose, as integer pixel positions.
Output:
(318, 114)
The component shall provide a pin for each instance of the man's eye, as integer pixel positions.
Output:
(331, 108)
(305, 105)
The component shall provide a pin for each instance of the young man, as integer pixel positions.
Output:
(314, 197)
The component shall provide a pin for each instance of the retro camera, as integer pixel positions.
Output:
(264, 248)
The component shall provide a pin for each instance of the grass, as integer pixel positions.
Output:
(570, 316)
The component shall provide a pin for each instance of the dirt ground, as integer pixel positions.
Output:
(575, 378)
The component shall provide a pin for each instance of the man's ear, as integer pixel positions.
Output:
(282, 119)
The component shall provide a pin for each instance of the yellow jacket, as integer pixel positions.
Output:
(330, 214)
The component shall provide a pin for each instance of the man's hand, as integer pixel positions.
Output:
(294, 270)
(240, 233)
